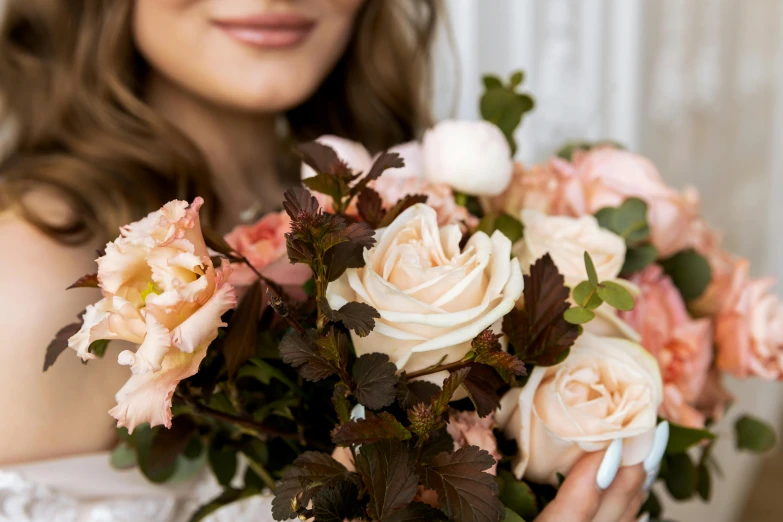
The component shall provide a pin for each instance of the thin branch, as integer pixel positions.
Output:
(437, 368)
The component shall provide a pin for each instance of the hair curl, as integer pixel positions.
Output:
(71, 78)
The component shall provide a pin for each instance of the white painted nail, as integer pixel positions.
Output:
(611, 463)
(358, 412)
(645, 517)
(653, 460)
(650, 480)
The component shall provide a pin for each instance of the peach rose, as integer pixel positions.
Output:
(707, 242)
(749, 328)
(607, 388)
(433, 297)
(468, 429)
(536, 188)
(682, 346)
(566, 239)
(606, 176)
(439, 197)
(264, 246)
(162, 293)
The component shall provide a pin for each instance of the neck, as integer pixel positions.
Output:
(240, 147)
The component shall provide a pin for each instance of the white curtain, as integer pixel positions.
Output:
(696, 85)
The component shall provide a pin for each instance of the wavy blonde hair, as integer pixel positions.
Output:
(70, 81)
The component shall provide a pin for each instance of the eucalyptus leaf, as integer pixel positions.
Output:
(690, 272)
(592, 276)
(638, 258)
(754, 434)
(681, 476)
(578, 315)
(586, 296)
(616, 295)
(517, 496)
(682, 438)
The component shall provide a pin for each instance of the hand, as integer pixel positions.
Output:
(597, 490)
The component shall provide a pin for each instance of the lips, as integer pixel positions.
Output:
(273, 30)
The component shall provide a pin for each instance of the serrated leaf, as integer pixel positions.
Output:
(327, 184)
(616, 295)
(638, 258)
(333, 347)
(372, 428)
(337, 502)
(417, 512)
(324, 160)
(86, 281)
(754, 434)
(452, 383)
(389, 477)
(376, 380)
(309, 467)
(690, 272)
(342, 257)
(538, 333)
(239, 343)
(682, 438)
(300, 203)
(517, 495)
(578, 315)
(359, 317)
(482, 384)
(486, 342)
(400, 207)
(506, 365)
(411, 393)
(385, 160)
(302, 355)
(370, 207)
(465, 490)
(59, 343)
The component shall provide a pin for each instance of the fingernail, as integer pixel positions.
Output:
(653, 460)
(650, 480)
(644, 518)
(611, 463)
(358, 412)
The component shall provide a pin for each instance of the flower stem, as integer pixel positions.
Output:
(435, 369)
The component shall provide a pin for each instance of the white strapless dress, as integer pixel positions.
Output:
(87, 489)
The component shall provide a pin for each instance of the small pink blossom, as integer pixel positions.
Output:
(468, 429)
(439, 197)
(682, 346)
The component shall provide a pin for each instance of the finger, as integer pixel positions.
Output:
(622, 494)
(632, 515)
(579, 497)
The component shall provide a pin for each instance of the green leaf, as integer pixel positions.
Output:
(690, 272)
(340, 403)
(704, 483)
(585, 295)
(517, 495)
(754, 434)
(628, 221)
(592, 276)
(637, 258)
(388, 474)
(98, 347)
(680, 476)
(616, 295)
(510, 227)
(490, 82)
(223, 463)
(123, 456)
(376, 380)
(460, 478)
(517, 78)
(452, 383)
(578, 315)
(566, 152)
(682, 438)
(511, 516)
(263, 372)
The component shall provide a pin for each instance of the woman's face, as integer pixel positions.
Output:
(252, 55)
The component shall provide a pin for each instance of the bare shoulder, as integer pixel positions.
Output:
(70, 399)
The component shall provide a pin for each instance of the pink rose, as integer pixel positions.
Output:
(264, 246)
(707, 242)
(161, 292)
(682, 346)
(537, 188)
(605, 177)
(468, 429)
(749, 328)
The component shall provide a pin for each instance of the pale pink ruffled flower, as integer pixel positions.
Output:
(468, 429)
(162, 293)
(682, 346)
(749, 327)
(440, 197)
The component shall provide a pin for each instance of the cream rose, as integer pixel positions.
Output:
(471, 156)
(607, 388)
(433, 298)
(161, 292)
(566, 239)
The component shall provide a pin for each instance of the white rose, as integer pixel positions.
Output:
(433, 298)
(352, 153)
(473, 157)
(566, 239)
(606, 388)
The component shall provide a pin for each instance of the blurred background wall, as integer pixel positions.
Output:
(696, 85)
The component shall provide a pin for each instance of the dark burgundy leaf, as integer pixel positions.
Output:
(538, 333)
(400, 207)
(417, 512)
(326, 184)
(324, 160)
(299, 251)
(169, 444)
(361, 234)
(482, 384)
(59, 343)
(411, 393)
(333, 347)
(487, 341)
(342, 257)
(450, 386)
(467, 493)
(340, 402)
(239, 343)
(370, 207)
(386, 160)
(359, 317)
(86, 281)
(376, 380)
(217, 242)
(299, 203)
(302, 354)
(389, 477)
(372, 428)
(336, 502)
(309, 467)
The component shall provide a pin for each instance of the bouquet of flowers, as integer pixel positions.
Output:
(433, 333)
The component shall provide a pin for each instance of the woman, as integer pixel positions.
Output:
(119, 106)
